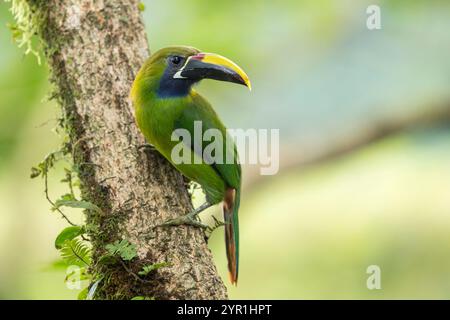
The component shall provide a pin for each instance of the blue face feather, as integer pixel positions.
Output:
(169, 87)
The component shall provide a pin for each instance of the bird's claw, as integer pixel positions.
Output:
(211, 229)
(146, 146)
(188, 219)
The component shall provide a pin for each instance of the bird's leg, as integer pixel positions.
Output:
(189, 219)
(146, 146)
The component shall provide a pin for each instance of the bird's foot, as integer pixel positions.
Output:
(189, 219)
(146, 146)
(211, 229)
(217, 224)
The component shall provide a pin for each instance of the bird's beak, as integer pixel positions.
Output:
(212, 66)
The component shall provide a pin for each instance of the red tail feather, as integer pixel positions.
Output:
(230, 207)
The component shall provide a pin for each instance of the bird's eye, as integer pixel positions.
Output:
(175, 60)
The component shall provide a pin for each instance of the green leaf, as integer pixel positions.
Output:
(77, 204)
(128, 253)
(142, 298)
(47, 163)
(107, 259)
(152, 267)
(15, 30)
(123, 248)
(80, 274)
(141, 6)
(92, 290)
(35, 172)
(66, 197)
(76, 252)
(83, 294)
(68, 233)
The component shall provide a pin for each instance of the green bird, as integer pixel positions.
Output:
(165, 103)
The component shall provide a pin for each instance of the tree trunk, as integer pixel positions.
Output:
(94, 49)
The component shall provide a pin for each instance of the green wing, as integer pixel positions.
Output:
(200, 110)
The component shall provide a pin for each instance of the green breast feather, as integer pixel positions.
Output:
(158, 119)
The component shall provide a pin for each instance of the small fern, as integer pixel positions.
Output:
(152, 267)
(123, 248)
(76, 252)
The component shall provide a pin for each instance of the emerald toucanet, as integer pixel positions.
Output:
(165, 101)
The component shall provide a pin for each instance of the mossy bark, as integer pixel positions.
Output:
(94, 49)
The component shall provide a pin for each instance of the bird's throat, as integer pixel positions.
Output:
(173, 88)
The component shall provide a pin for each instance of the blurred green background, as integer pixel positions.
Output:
(322, 78)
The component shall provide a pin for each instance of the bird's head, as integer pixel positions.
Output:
(171, 72)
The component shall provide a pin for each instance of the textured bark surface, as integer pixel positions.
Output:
(94, 49)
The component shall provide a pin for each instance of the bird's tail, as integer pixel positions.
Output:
(230, 212)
